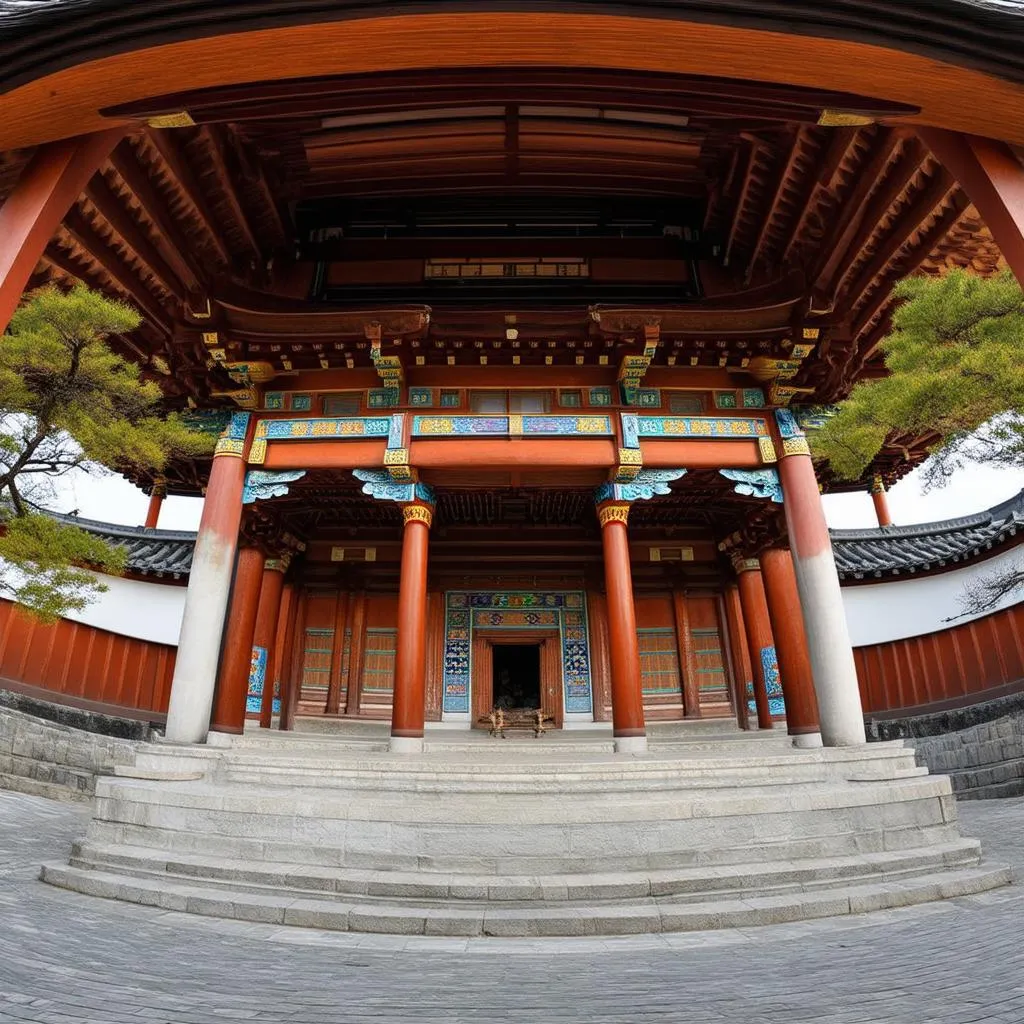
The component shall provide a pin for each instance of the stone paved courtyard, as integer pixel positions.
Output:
(71, 958)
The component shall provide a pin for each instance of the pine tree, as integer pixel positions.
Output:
(955, 366)
(68, 401)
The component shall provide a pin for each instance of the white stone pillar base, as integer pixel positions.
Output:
(630, 744)
(808, 741)
(220, 739)
(406, 745)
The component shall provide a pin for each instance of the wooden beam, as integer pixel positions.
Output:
(214, 137)
(77, 227)
(173, 244)
(49, 184)
(839, 147)
(511, 143)
(837, 243)
(927, 245)
(895, 186)
(786, 169)
(174, 161)
(909, 223)
(993, 176)
(741, 199)
(100, 194)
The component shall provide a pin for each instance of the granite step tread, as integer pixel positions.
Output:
(643, 917)
(684, 883)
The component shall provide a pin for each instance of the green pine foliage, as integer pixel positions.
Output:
(955, 368)
(68, 401)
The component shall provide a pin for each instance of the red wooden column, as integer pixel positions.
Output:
(624, 652)
(265, 634)
(236, 658)
(787, 622)
(280, 661)
(407, 712)
(760, 642)
(993, 178)
(53, 179)
(828, 637)
(742, 675)
(156, 499)
(209, 585)
(881, 501)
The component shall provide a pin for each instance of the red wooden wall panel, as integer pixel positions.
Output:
(83, 664)
(953, 665)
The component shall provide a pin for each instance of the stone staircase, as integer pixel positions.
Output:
(556, 836)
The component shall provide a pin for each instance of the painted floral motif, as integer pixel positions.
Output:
(697, 426)
(756, 483)
(773, 684)
(646, 485)
(261, 484)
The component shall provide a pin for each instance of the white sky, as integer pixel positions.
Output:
(112, 499)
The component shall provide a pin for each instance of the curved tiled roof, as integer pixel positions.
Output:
(904, 550)
(161, 553)
(41, 36)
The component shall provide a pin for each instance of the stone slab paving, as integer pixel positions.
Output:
(74, 959)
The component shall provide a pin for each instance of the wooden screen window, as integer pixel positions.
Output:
(659, 663)
(379, 661)
(683, 403)
(496, 402)
(348, 404)
(707, 654)
(316, 666)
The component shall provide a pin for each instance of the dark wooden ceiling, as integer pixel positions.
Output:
(184, 220)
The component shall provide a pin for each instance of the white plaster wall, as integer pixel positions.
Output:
(879, 612)
(147, 611)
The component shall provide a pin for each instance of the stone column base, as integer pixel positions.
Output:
(630, 744)
(807, 741)
(406, 745)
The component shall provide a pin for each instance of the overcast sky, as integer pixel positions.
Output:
(112, 499)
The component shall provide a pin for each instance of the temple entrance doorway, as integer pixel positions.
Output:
(520, 668)
(516, 678)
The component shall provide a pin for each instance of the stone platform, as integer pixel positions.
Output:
(524, 837)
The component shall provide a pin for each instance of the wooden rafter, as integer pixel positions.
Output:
(931, 240)
(77, 227)
(837, 242)
(176, 249)
(174, 161)
(213, 135)
(782, 179)
(843, 140)
(900, 178)
(114, 213)
(754, 150)
(906, 227)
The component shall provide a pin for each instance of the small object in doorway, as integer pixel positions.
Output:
(540, 718)
(497, 720)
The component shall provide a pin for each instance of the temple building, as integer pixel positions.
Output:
(511, 322)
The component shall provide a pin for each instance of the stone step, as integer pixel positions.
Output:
(176, 844)
(681, 884)
(648, 915)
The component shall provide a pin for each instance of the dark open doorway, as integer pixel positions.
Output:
(517, 676)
